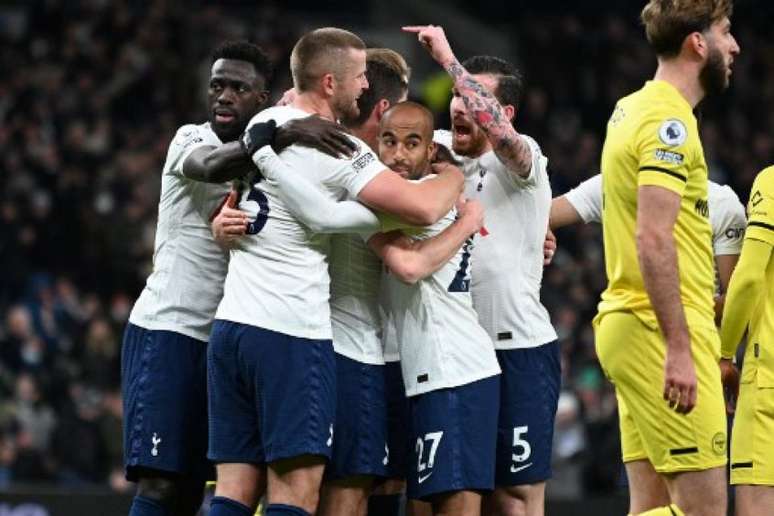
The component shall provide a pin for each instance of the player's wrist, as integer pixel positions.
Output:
(258, 136)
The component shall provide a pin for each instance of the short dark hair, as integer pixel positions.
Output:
(384, 82)
(248, 52)
(509, 80)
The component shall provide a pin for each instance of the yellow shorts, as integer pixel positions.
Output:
(752, 438)
(632, 355)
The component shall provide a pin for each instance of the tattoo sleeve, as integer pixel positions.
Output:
(512, 150)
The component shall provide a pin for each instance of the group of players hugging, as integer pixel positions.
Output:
(331, 327)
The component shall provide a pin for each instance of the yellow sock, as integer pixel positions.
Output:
(671, 510)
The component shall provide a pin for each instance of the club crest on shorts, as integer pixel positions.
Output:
(156, 440)
(719, 443)
(673, 132)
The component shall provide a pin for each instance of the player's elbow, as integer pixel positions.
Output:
(408, 270)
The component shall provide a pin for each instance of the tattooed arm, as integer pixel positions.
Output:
(509, 146)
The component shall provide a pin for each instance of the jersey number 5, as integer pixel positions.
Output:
(255, 227)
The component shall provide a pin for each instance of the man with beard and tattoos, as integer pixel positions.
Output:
(506, 171)
(655, 333)
(271, 363)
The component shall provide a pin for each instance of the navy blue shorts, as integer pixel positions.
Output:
(360, 431)
(164, 386)
(398, 422)
(530, 383)
(454, 433)
(271, 396)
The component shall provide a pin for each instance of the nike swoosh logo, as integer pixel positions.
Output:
(515, 469)
(423, 478)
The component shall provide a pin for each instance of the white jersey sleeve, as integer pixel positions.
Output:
(183, 291)
(278, 278)
(309, 204)
(586, 198)
(727, 217)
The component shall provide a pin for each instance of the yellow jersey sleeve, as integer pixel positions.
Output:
(661, 145)
(760, 208)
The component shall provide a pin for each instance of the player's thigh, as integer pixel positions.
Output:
(633, 356)
(234, 431)
(165, 404)
(348, 496)
(529, 393)
(297, 390)
(699, 492)
(525, 499)
(454, 433)
(360, 431)
(752, 437)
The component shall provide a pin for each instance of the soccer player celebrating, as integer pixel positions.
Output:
(271, 363)
(507, 172)
(164, 351)
(449, 367)
(750, 306)
(726, 215)
(655, 332)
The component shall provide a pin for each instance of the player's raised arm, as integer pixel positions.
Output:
(490, 115)
(413, 260)
(657, 253)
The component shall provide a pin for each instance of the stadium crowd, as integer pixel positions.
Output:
(95, 91)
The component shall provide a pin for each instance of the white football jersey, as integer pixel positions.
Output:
(442, 344)
(356, 275)
(508, 263)
(183, 291)
(726, 213)
(278, 276)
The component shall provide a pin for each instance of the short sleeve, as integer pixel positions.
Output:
(187, 139)
(661, 146)
(354, 173)
(760, 225)
(728, 221)
(586, 198)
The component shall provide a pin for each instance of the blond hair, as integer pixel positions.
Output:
(669, 22)
(320, 52)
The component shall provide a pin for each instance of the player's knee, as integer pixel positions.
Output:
(161, 490)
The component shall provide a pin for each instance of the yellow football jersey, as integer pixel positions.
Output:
(653, 139)
(760, 211)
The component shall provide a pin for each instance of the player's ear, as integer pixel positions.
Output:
(328, 83)
(696, 42)
(510, 111)
(380, 108)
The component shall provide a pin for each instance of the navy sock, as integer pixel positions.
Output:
(222, 506)
(142, 506)
(279, 509)
(384, 505)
